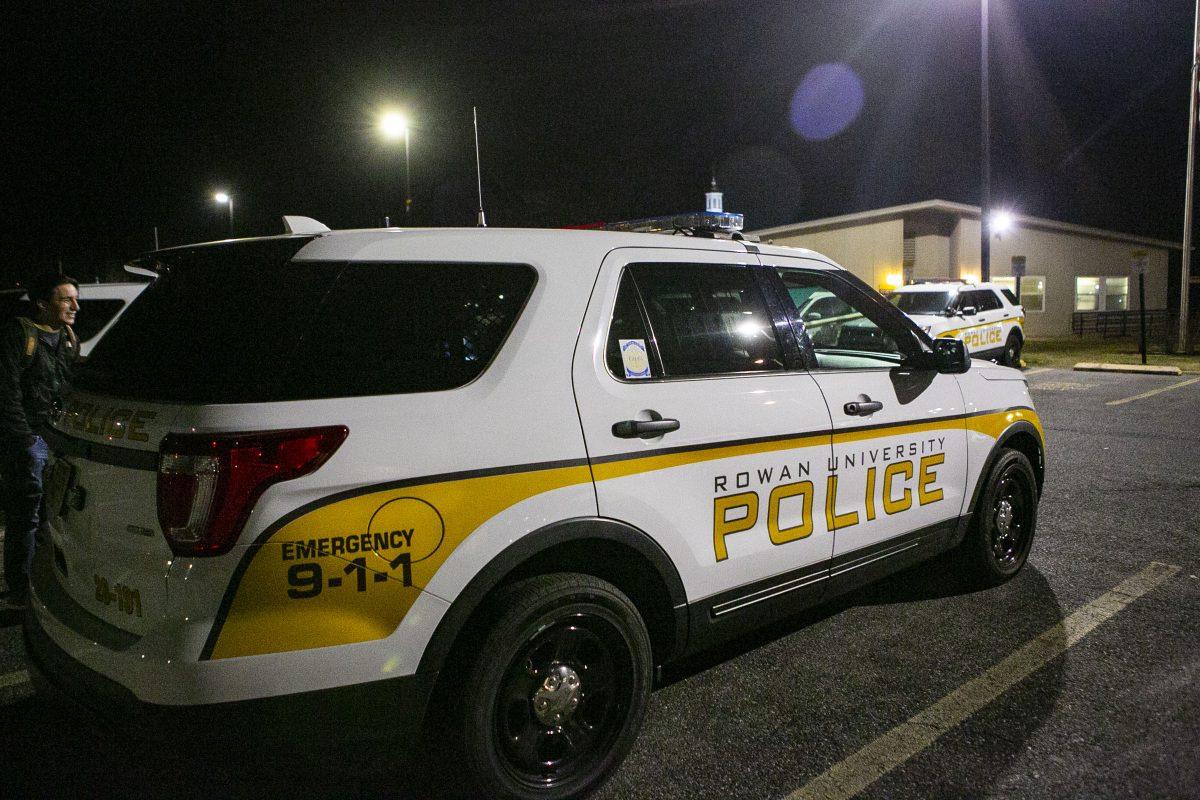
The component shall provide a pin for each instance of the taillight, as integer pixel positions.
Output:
(208, 484)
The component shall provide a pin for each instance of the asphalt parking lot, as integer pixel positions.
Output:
(1080, 678)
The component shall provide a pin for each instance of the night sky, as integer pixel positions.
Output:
(125, 116)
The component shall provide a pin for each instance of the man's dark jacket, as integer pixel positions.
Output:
(32, 385)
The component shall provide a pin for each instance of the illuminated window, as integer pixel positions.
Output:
(1116, 294)
(1033, 290)
(1101, 294)
(1087, 294)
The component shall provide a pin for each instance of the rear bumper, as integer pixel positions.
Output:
(391, 709)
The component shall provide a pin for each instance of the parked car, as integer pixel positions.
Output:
(984, 316)
(494, 479)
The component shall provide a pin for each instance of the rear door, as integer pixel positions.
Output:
(699, 429)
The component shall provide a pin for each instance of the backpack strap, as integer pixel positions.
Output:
(31, 340)
(72, 341)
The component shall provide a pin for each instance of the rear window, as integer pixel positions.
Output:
(243, 323)
(94, 315)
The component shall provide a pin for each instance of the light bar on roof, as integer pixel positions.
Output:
(720, 221)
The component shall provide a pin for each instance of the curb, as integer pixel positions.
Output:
(1146, 369)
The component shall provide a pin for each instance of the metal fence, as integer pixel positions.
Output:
(1121, 323)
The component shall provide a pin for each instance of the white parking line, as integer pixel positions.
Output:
(1038, 371)
(856, 773)
(14, 678)
(1153, 392)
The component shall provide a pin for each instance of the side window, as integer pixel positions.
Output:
(396, 328)
(707, 319)
(974, 299)
(628, 351)
(841, 324)
(988, 301)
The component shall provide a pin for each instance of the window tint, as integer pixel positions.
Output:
(219, 325)
(242, 323)
(707, 319)
(94, 315)
(981, 300)
(857, 336)
(628, 351)
(401, 328)
(988, 301)
(921, 302)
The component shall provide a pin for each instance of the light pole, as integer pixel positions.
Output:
(985, 237)
(393, 125)
(225, 198)
(1185, 277)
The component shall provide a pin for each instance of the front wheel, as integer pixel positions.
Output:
(1001, 533)
(1012, 351)
(555, 696)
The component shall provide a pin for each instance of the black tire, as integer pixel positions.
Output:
(554, 698)
(1012, 351)
(1001, 533)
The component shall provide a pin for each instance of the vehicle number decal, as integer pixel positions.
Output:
(127, 598)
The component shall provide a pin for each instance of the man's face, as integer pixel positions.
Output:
(61, 308)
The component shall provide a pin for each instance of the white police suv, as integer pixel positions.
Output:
(492, 479)
(984, 316)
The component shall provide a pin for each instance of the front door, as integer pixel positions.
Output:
(699, 430)
(897, 474)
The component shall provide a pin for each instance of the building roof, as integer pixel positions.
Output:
(925, 207)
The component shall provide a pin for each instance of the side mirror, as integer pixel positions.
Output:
(950, 356)
(812, 316)
(968, 311)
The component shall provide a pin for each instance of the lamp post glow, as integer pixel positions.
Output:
(1001, 221)
(394, 125)
(224, 199)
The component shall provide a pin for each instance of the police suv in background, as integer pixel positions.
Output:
(984, 316)
(468, 489)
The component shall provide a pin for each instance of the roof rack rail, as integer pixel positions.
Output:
(917, 281)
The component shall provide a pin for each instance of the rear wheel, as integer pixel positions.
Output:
(1012, 351)
(1001, 532)
(554, 698)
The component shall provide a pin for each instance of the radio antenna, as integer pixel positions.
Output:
(480, 221)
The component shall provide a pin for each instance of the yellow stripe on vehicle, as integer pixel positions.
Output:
(635, 466)
(350, 571)
(945, 334)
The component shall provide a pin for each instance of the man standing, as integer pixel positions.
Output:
(36, 356)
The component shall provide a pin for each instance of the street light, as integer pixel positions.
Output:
(224, 198)
(394, 125)
(1001, 221)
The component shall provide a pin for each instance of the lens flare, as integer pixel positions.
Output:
(826, 102)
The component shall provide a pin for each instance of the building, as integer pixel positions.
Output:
(1068, 268)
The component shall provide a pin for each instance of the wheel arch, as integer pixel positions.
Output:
(1023, 437)
(605, 548)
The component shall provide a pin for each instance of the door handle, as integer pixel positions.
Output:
(643, 428)
(861, 408)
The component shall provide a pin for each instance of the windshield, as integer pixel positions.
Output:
(921, 302)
